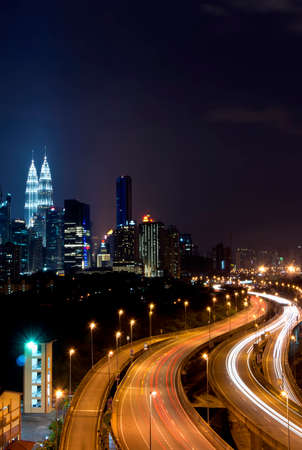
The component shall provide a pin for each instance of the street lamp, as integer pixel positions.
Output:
(209, 321)
(214, 300)
(120, 313)
(205, 356)
(228, 304)
(92, 326)
(151, 396)
(284, 394)
(71, 352)
(110, 354)
(186, 303)
(59, 395)
(117, 336)
(236, 303)
(132, 322)
(151, 307)
(245, 304)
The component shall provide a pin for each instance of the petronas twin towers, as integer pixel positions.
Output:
(38, 193)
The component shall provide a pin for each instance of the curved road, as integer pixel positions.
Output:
(171, 426)
(80, 426)
(232, 376)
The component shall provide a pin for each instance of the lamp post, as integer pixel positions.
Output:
(151, 307)
(117, 336)
(92, 326)
(110, 354)
(71, 352)
(284, 394)
(245, 304)
(228, 304)
(206, 358)
(132, 323)
(120, 313)
(151, 396)
(214, 300)
(59, 394)
(236, 301)
(186, 303)
(209, 321)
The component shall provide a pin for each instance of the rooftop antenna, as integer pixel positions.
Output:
(32, 155)
(44, 151)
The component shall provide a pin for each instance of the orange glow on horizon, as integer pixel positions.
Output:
(147, 218)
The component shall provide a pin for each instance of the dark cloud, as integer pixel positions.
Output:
(252, 6)
(286, 13)
(273, 117)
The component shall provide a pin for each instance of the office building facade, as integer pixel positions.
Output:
(37, 377)
(77, 235)
(54, 252)
(126, 248)
(5, 219)
(123, 200)
(151, 247)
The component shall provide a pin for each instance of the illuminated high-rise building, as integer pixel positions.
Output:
(151, 247)
(5, 219)
(77, 235)
(45, 191)
(54, 239)
(123, 200)
(31, 194)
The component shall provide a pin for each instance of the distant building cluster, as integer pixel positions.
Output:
(149, 248)
(51, 238)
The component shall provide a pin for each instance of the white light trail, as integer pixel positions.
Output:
(288, 317)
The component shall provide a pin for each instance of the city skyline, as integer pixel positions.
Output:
(204, 117)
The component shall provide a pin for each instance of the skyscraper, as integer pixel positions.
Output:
(31, 194)
(126, 257)
(54, 239)
(151, 247)
(20, 237)
(123, 200)
(77, 235)
(45, 191)
(5, 219)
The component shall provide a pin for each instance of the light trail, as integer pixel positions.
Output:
(287, 320)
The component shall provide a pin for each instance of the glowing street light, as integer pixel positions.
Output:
(59, 394)
(214, 300)
(284, 394)
(92, 326)
(151, 396)
(132, 323)
(228, 304)
(117, 336)
(205, 357)
(186, 304)
(236, 301)
(120, 313)
(109, 356)
(208, 308)
(151, 307)
(71, 352)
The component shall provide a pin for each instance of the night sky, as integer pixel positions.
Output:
(200, 102)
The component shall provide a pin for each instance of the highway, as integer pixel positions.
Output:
(232, 376)
(135, 411)
(80, 426)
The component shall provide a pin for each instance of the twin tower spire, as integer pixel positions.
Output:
(38, 193)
